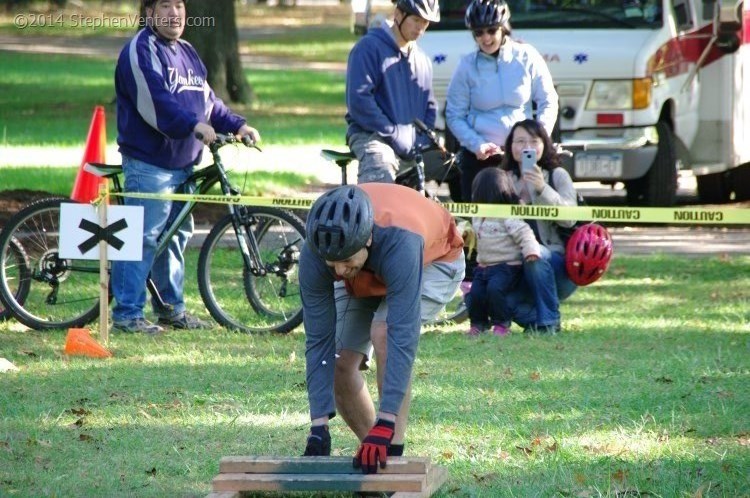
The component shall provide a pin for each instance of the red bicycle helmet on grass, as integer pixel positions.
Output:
(588, 253)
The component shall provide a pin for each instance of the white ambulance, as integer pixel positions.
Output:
(646, 87)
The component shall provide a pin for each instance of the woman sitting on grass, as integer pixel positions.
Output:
(535, 302)
(502, 246)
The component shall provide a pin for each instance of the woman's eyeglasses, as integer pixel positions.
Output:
(478, 33)
(534, 142)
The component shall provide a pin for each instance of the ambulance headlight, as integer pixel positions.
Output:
(620, 95)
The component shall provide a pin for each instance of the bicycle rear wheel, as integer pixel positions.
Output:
(59, 293)
(265, 299)
(17, 263)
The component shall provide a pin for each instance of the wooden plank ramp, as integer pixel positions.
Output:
(406, 477)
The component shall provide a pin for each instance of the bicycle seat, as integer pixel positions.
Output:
(103, 170)
(340, 158)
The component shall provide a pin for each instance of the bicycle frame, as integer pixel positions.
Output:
(204, 179)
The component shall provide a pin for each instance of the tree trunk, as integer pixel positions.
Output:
(212, 29)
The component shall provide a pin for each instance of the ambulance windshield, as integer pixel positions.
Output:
(564, 14)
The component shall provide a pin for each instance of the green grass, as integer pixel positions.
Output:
(57, 181)
(298, 107)
(49, 100)
(323, 44)
(644, 394)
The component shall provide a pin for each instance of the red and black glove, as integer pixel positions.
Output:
(374, 447)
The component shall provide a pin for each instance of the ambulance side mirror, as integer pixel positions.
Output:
(728, 25)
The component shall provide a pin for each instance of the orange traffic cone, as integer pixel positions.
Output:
(79, 343)
(86, 187)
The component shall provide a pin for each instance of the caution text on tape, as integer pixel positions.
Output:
(695, 216)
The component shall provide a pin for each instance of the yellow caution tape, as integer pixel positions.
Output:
(694, 216)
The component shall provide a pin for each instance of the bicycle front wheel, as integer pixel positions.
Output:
(17, 264)
(55, 293)
(262, 298)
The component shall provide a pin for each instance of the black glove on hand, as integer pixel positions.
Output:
(374, 448)
(318, 442)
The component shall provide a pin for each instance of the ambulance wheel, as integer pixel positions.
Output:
(714, 188)
(658, 187)
(740, 182)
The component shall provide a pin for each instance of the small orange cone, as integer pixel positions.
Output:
(86, 187)
(79, 343)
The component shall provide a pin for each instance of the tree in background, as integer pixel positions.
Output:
(217, 43)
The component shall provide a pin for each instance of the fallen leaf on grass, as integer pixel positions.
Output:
(620, 475)
(526, 451)
(699, 492)
(85, 438)
(28, 353)
(502, 455)
(535, 376)
(447, 455)
(579, 478)
(77, 424)
(79, 411)
(493, 476)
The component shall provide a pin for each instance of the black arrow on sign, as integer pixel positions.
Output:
(107, 234)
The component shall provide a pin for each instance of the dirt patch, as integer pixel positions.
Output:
(12, 201)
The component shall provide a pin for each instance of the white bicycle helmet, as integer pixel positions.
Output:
(428, 10)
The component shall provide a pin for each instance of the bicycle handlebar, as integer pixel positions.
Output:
(224, 139)
(430, 134)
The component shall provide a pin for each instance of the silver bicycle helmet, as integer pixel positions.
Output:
(486, 13)
(428, 10)
(340, 223)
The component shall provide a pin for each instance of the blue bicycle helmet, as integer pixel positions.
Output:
(340, 223)
(486, 13)
(429, 10)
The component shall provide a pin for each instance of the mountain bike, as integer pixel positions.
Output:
(247, 267)
(455, 311)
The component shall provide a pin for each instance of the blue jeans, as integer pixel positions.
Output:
(536, 300)
(168, 268)
(489, 288)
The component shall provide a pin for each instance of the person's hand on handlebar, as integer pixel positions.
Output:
(248, 131)
(205, 133)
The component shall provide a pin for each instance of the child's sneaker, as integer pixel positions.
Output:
(500, 330)
(474, 331)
